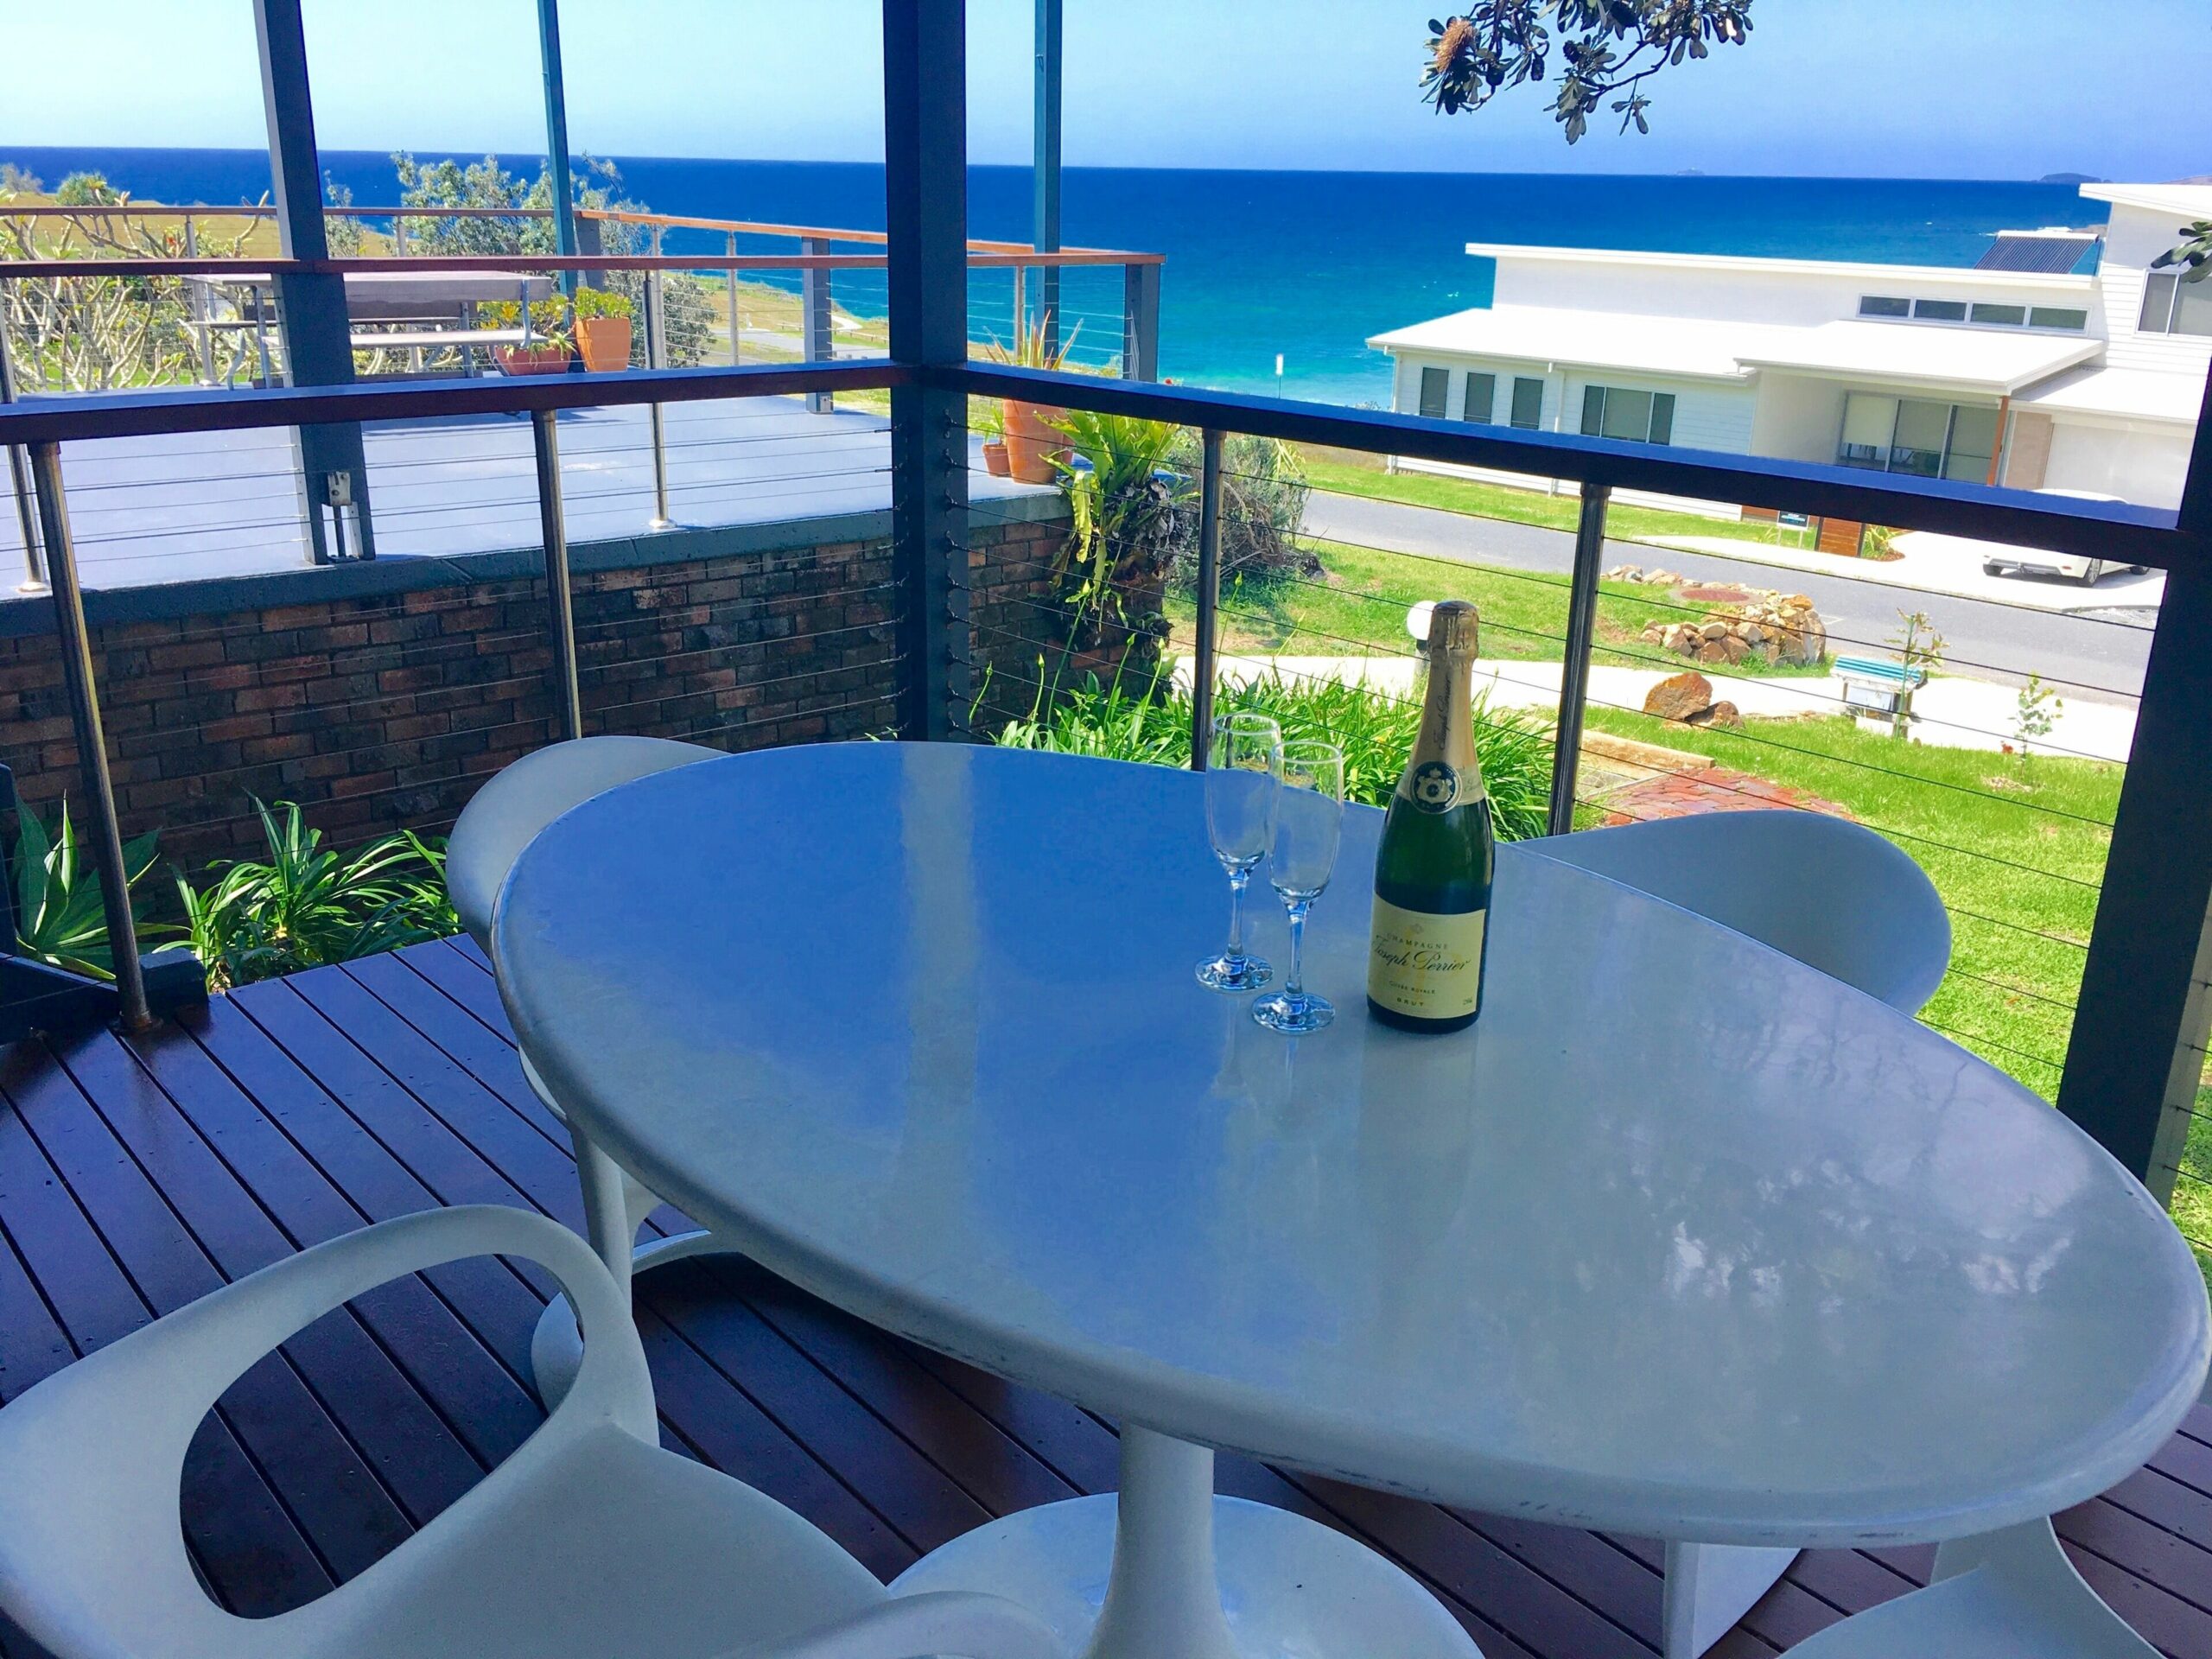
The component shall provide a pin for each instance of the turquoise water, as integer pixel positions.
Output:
(1306, 265)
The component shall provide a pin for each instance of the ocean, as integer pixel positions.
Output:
(1308, 265)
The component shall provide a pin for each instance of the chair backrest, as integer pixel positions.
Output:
(93, 1562)
(1829, 892)
(506, 813)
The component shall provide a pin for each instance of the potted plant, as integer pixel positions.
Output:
(550, 347)
(603, 330)
(1125, 502)
(988, 420)
(1033, 443)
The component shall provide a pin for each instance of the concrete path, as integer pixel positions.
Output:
(2088, 657)
(1951, 713)
(1929, 563)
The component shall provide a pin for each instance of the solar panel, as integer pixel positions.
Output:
(2046, 255)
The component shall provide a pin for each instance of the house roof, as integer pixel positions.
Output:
(1987, 360)
(1767, 265)
(2187, 200)
(2140, 394)
(1995, 361)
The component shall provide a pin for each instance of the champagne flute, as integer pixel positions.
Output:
(1309, 823)
(1243, 776)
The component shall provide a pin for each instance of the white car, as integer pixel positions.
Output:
(1998, 558)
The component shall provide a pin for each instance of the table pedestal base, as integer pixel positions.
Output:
(1166, 1567)
(557, 1349)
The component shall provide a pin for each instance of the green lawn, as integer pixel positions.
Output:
(1331, 470)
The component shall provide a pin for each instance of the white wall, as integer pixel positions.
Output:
(2145, 465)
(1800, 416)
(2136, 237)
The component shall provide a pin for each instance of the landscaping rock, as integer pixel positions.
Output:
(1711, 651)
(1734, 649)
(1679, 697)
(1721, 713)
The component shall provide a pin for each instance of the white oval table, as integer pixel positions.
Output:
(1681, 1239)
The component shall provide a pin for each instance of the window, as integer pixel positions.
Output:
(2045, 316)
(2010, 316)
(1916, 437)
(1883, 305)
(1940, 310)
(1481, 406)
(2193, 307)
(2157, 303)
(1435, 392)
(1528, 402)
(1636, 417)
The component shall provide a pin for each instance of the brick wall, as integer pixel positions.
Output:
(379, 711)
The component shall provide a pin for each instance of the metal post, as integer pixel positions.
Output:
(560, 602)
(92, 743)
(655, 357)
(201, 318)
(34, 580)
(1574, 676)
(732, 299)
(557, 137)
(925, 180)
(318, 341)
(1020, 309)
(1202, 663)
(1141, 321)
(815, 319)
(1044, 170)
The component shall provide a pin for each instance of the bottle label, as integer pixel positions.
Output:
(1426, 966)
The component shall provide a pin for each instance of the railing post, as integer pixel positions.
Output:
(1044, 130)
(1202, 662)
(198, 304)
(560, 601)
(925, 201)
(732, 299)
(1141, 321)
(92, 743)
(1574, 672)
(656, 358)
(815, 321)
(34, 580)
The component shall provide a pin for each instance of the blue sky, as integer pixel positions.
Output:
(1943, 88)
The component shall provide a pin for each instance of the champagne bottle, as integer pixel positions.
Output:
(1433, 871)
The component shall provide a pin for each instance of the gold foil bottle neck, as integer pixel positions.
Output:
(1453, 624)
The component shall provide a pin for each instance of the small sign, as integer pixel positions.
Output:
(1793, 520)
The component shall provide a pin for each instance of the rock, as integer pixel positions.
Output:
(1713, 652)
(1751, 633)
(1734, 649)
(1679, 697)
(1713, 630)
(1721, 713)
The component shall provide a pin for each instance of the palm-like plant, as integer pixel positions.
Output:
(58, 917)
(1123, 500)
(311, 905)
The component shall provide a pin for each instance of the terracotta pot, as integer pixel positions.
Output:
(535, 360)
(605, 342)
(1030, 442)
(996, 460)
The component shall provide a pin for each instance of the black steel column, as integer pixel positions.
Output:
(1045, 168)
(1574, 672)
(19, 475)
(106, 834)
(318, 342)
(1202, 658)
(560, 601)
(926, 175)
(2137, 1052)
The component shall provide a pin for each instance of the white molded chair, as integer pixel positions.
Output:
(501, 819)
(2005, 1595)
(1829, 892)
(589, 1540)
(1837, 897)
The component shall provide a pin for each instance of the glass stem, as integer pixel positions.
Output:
(1237, 880)
(1296, 987)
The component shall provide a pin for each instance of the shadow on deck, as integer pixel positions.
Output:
(136, 1176)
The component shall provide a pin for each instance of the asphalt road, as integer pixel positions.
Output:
(2081, 655)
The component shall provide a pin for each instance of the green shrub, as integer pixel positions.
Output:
(59, 917)
(602, 302)
(309, 906)
(1263, 494)
(1375, 731)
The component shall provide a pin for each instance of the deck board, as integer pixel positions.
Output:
(136, 1175)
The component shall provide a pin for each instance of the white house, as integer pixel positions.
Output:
(2023, 370)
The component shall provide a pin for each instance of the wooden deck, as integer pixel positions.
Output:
(135, 1176)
